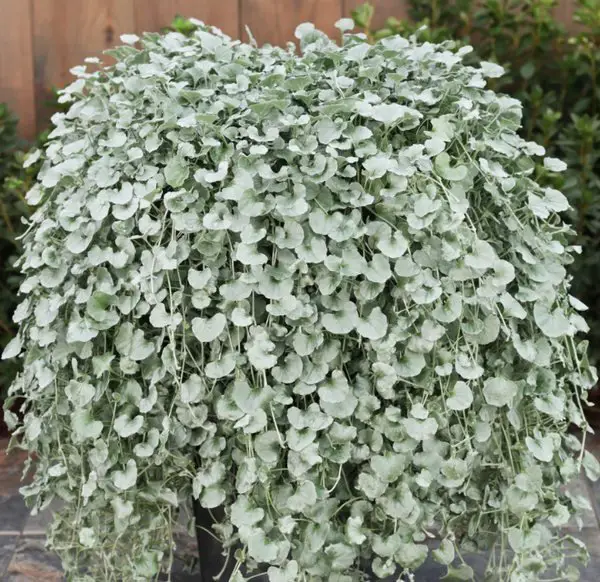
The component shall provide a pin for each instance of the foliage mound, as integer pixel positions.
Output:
(321, 290)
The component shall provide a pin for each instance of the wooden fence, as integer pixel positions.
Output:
(40, 40)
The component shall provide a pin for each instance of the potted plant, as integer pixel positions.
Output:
(319, 293)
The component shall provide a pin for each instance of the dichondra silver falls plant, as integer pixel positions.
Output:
(321, 290)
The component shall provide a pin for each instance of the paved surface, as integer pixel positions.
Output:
(24, 558)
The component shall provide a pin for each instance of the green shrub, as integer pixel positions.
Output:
(8, 143)
(15, 181)
(554, 74)
(12, 208)
(8, 138)
(324, 291)
(185, 26)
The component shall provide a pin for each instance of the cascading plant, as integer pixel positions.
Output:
(321, 291)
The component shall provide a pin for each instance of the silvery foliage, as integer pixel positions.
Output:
(322, 291)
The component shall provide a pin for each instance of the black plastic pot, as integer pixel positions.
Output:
(592, 413)
(210, 551)
(214, 566)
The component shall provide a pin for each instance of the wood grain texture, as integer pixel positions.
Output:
(564, 12)
(383, 9)
(42, 39)
(154, 15)
(65, 32)
(274, 21)
(16, 63)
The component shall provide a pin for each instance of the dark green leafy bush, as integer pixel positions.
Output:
(15, 181)
(8, 143)
(12, 209)
(554, 73)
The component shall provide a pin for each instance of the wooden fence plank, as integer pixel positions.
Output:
(16, 63)
(153, 15)
(564, 12)
(65, 32)
(43, 39)
(383, 9)
(274, 21)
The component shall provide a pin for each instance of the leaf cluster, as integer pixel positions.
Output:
(552, 68)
